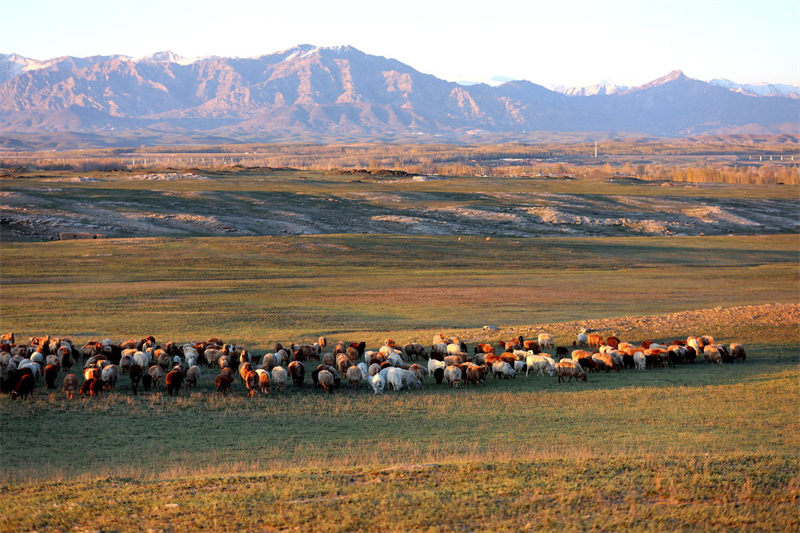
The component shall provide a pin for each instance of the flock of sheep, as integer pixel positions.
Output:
(389, 368)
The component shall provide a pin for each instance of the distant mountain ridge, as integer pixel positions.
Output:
(342, 92)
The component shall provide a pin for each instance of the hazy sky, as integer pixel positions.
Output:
(566, 42)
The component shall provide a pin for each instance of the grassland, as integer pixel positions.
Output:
(695, 448)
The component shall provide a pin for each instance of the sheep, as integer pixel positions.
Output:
(377, 383)
(173, 381)
(50, 376)
(142, 359)
(419, 371)
(400, 379)
(373, 369)
(92, 373)
(297, 370)
(737, 351)
(712, 354)
(639, 360)
(581, 340)
(24, 387)
(571, 369)
(70, 385)
(251, 380)
(580, 354)
(453, 376)
(192, 376)
(595, 340)
(156, 375)
(325, 379)
(414, 350)
(364, 370)
(605, 361)
(353, 375)
(503, 369)
(476, 374)
(147, 381)
(222, 383)
(540, 365)
(520, 367)
(433, 364)
(279, 377)
(545, 340)
(243, 369)
(343, 363)
(109, 376)
(438, 375)
(453, 360)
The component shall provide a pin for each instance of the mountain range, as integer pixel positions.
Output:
(309, 92)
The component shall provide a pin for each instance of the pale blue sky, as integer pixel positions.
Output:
(568, 42)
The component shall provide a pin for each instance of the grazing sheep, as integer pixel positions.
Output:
(24, 387)
(125, 363)
(640, 361)
(147, 381)
(343, 363)
(419, 371)
(541, 365)
(297, 370)
(581, 340)
(109, 376)
(70, 385)
(438, 375)
(135, 373)
(453, 376)
(279, 377)
(712, 354)
(243, 370)
(50, 376)
(400, 379)
(414, 350)
(580, 354)
(192, 376)
(251, 380)
(173, 382)
(571, 369)
(353, 375)
(433, 364)
(325, 379)
(737, 351)
(377, 383)
(545, 340)
(156, 374)
(142, 359)
(92, 373)
(476, 374)
(373, 369)
(222, 383)
(453, 360)
(503, 369)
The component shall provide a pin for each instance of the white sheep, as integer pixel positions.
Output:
(545, 340)
(400, 379)
(540, 364)
(377, 383)
(640, 360)
(582, 339)
(503, 369)
(433, 364)
(279, 377)
(453, 376)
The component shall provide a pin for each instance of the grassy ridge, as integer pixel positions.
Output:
(263, 289)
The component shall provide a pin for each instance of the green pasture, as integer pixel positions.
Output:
(256, 291)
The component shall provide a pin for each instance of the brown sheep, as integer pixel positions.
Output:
(25, 386)
(50, 375)
(244, 369)
(264, 381)
(297, 370)
(70, 385)
(222, 383)
(135, 373)
(173, 382)
(352, 354)
(251, 381)
(612, 341)
(476, 374)
(343, 363)
(595, 340)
